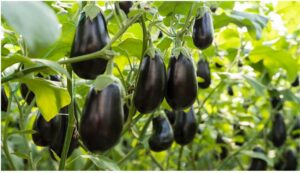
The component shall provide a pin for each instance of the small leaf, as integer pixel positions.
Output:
(103, 81)
(258, 155)
(91, 10)
(102, 162)
(50, 97)
(289, 95)
(15, 58)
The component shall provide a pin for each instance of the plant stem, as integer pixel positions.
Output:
(71, 123)
(155, 161)
(5, 147)
(136, 148)
(99, 54)
(179, 158)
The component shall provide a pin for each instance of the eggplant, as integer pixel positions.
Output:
(277, 103)
(151, 85)
(181, 83)
(203, 31)
(230, 91)
(224, 151)
(288, 161)
(278, 132)
(171, 116)
(162, 136)
(125, 6)
(185, 127)
(90, 36)
(4, 100)
(295, 82)
(57, 144)
(256, 163)
(296, 127)
(53, 133)
(102, 118)
(203, 71)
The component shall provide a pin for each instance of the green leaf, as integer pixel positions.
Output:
(275, 59)
(289, 95)
(228, 38)
(50, 97)
(13, 59)
(91, 10)
(53, 65)
(103, 81)
(259, 88)
(102, 162)
(255, 23)
(164, 44)
(35, 21)
(131, 46)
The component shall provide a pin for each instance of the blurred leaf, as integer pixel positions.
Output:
(228, 38)
(103, 81)
(255, 23)
(13, 59)
(289, 95)
(258, 155)
(131, 46)
(275, 59)
(259, 88)
(102, 162)
(35, 21)
(164, 44)
(289, 14)
(91, 10)
(50, 97)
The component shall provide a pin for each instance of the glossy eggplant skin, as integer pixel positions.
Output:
(296, 127)
(151, 85)
(4, 100)
(203, 71)
(256, 163)
(230, 91)
(181, 83)
(53, 133)
(203, 31)
(278, 132)
(162, 136)
(57, 144)
(185, 127)
(224, 151)
(45, 131)
(125, 6)
(102, 118)
(90, 36)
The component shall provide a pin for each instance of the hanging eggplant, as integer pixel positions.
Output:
(90, 36)
(4, 100)
(278, 132)
(181, 83)
(203, 71)
(162, 136)
(257, 163)
(102, 118)
(151, 85)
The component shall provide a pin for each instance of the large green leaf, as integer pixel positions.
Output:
(35, 21)
(255, 23)
(50, 97)
(275, 59)
(131, 47)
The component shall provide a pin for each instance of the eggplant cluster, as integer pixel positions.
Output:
(288, 161)
(102, 118)
(52, 134)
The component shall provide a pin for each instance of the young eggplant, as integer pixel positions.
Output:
(295, 82)
(278, 132)
(181, 83)
(288, 161)
(295, 133)
(162, 136)
(203, 71)
(102, 118)
(257, 163)
(224, 151)
(90, 36)
(185, 127)
(125, 6)
(151, 85)
(203, 31)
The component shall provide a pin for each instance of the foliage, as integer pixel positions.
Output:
(257, 45)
